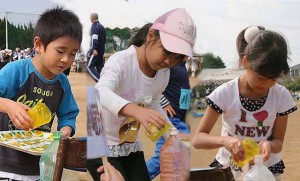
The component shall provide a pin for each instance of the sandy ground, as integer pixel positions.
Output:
(199, 158)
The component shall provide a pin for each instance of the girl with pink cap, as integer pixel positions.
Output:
(139, 75)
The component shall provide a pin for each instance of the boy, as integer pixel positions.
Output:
(57, 38)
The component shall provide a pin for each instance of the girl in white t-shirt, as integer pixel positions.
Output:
(252, 105)
(139, 75)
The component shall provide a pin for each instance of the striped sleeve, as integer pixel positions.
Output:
(164, 101)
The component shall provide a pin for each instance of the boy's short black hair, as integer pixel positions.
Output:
(55, 23)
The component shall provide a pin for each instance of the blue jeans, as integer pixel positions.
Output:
(153, 164)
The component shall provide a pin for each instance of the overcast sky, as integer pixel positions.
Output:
(218, 21)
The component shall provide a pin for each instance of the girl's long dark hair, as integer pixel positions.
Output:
(140, 35)
(267, 53)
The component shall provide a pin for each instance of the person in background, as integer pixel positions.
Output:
(139, 75)
(175, 102)
(3, 59)
(25, 82)
(96, 53)
(17, 55)
(114, 174)
(252, 105)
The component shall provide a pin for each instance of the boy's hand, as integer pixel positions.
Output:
(146, 116)
(66, 131)
(169, 110)
(17, 112)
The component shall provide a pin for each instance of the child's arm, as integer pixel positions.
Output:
(165, 104)
(17, 112)
(275, 146)
(286, 105)
(67, 112)
(202, 139)
(66, 131)
(11, 75)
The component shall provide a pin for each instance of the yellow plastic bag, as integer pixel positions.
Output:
(40, 114)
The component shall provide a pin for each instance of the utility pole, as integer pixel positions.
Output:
(6, 30)
(6, 23)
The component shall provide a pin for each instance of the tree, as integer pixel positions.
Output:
(2, 34)
(211, 61)
(123, 34)
(292, 85)
(18, 36)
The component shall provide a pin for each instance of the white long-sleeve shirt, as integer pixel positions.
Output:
(122, 82)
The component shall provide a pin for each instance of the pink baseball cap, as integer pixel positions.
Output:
(177, 31)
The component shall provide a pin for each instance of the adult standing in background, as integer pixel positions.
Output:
(98, 38)
(17, 55)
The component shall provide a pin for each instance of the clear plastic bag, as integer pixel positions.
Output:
(48, 159)
(259, 172)
(174, 159)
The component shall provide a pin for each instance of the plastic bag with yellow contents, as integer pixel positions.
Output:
(40, 114)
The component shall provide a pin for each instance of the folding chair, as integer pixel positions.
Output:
(71, 154)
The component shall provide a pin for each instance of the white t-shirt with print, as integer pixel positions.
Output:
(122, 82)
(226, 97)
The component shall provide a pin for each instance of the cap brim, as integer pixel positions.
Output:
(176, 45)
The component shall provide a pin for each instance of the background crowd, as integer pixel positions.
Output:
(9, 55)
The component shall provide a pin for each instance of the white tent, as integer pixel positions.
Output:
(219, 75)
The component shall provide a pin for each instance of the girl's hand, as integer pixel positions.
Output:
(17, 112)
(66, 131)
(265, 149)
(146, 116)
(114, 174)
(234, 146)
(169, 110)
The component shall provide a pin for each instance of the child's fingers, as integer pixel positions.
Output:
(159, 121)
(266, 156)
(17, 123)
(173, 111)
(26, 121)
(27, 118)
(238, 156)
(24, 106)
(22, 122)
(103, 177)
(169, 111)
(100, 169)
(147, 128)
(160, 117)
(237, 152)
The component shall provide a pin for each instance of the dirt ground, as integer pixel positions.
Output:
(199, 158)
